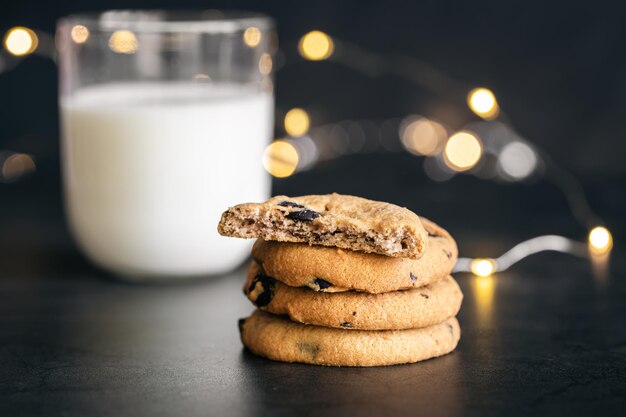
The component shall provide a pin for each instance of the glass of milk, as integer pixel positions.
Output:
(164, 119)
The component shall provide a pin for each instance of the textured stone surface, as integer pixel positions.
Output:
(552, 343)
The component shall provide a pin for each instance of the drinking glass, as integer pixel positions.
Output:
(164, 120)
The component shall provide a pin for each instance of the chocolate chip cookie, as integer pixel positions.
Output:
(333, 270)
(414, 308)
(341, 221)
(279, 339)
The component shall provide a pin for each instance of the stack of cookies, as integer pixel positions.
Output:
(344, 281)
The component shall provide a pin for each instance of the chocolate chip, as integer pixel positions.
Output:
(448, 253)
(309, 348)
(346, 324)
(321, 283)
(240, 324)
(286, 203)
(424, 295)
(451, 329)
(303, 215)
(432, 234)
(412, 276)
(354, 313)
(267, 289)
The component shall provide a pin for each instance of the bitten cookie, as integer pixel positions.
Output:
(409, 309)
(333, 270)
(335, 220)
(280, 339)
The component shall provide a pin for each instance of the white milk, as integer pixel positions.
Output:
(149, 169)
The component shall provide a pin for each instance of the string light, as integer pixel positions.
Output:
(483, 267)
(316, 46)
(297, 122)
(463, 150)
(483, 103)
(79, 34)
(252, 36)
(482, 100)
(123, 42)
(20, 41)
(421, 136)
(520, 251)
(280, 159)
(600, 240)
(265, 64)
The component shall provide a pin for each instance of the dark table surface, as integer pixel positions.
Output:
(546, 337)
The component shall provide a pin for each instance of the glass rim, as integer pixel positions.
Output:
(194, 21)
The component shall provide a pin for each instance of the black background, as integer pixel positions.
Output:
(558, 70)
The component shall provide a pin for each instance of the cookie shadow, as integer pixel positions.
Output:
(432, 387)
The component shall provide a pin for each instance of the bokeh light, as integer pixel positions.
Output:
(280, 159)
(316, 46)
(265, 64)
(483, 267)
(600, 240)
(15, 166)
(421, 136)
(462, 151)
(123, 42)
(297, 122)
(79, 34)
(202, 78)
(436, 169)
(483, 103)
(20, 41)
(517, 160)
(252, 36)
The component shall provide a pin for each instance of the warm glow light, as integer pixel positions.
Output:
(265, 64)
(79, 34)
(201, 78)
(483, 267)
(252, 36)
(483, 289)
(463, 150)
(20, 41)
(483, 102)
(123, 42)
(296, 122)
(280, 159)
(15, 166)
(600, 240)
(423, 137)
(316, 46)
